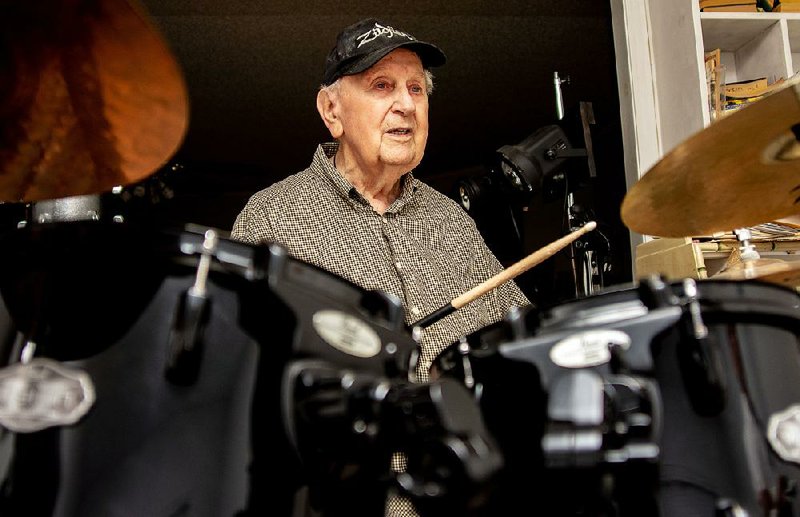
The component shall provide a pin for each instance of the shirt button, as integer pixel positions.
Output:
(415, 310)
(398, 265)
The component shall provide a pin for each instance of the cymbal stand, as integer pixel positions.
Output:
(582, 257)
(580, 253)
(589, 254)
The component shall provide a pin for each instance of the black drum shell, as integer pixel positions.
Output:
(704, 459)
(102, 297)
(147, 446)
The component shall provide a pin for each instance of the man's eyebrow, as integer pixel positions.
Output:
(378, 70)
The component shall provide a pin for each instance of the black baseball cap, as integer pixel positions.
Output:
(364, 43)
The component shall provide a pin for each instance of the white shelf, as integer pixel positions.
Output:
(753, 45)
(793, 23)
(660, 61)
(731, 31)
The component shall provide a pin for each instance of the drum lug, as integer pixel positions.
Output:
(515, 318)
(463, 350)
(186, 339)
(185, 347)
(699, 358)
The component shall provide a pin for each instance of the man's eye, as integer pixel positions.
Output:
(382, 85)
(416, 89)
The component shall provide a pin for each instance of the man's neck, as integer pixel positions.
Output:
(379, 187)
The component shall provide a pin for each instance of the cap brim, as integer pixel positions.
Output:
(429, 54)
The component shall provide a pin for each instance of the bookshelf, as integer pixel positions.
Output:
(660, 48)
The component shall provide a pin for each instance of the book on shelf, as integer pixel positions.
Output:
(723, 3)
(731, 9)
(743, 93)
(751, 88)
(729, 5)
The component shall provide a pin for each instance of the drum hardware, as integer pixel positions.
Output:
(594, 420)
(576, 412)
(583, 435)
(591, 348)
(747, 261)
(504, 276)
(692, 411)
(469, 379)
(351, 328)
(38, 393)
(205, 296)
(699, 359)
(132, 203)
(747, 251)
(698, 353)
(74, 208)
(345, 424)
(752, 267)
(185, 347)
(609, 328)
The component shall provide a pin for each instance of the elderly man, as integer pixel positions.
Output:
(359, 212)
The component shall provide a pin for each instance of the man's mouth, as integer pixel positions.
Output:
(399, 131)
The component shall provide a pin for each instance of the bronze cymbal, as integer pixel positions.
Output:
(740, 171)
(766, 270)
(90, 98)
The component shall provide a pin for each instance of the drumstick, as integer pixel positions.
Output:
(535, 258)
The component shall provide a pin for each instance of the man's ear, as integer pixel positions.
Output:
(327, 108)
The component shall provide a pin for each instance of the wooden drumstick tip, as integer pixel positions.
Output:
(591, 225)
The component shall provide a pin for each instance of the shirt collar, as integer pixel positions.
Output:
(322, 163)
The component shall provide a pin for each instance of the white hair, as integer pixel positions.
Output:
(334, 86)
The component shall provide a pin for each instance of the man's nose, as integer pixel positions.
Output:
(404, 102)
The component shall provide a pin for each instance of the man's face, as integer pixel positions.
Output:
(384, 112)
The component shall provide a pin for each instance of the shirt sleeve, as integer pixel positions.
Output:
(252, 225)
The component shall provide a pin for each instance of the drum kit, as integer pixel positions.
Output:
(220, 378)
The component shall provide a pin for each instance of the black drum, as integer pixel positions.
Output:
(671, 399)
(141, 370)
(165, 430)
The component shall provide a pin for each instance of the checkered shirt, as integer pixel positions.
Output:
(425, 249)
